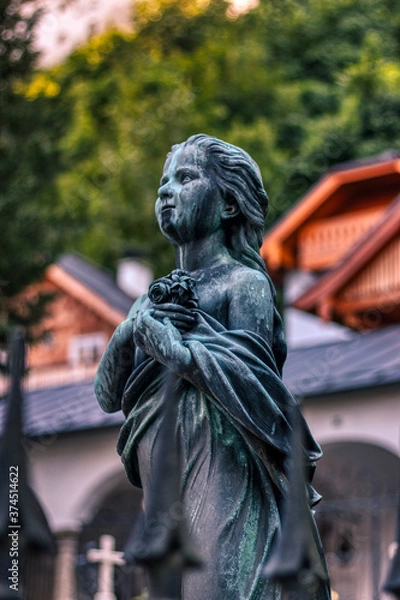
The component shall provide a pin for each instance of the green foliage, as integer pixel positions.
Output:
(301, 85)
(341, 69)
(29, 158)
(133, 96)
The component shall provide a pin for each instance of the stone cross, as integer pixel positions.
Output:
(108, 558)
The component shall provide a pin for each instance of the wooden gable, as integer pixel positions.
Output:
(333, 216)
(363, 290)
(68, 318)
(76, 311)
(79, 322)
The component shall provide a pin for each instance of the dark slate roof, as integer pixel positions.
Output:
(366, 360)
(97, 279)
(63, 409)
(365, 162)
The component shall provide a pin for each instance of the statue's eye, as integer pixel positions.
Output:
(186, 177)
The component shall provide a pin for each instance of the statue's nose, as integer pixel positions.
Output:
(165, 192)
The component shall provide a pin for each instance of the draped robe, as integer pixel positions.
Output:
(234, 432)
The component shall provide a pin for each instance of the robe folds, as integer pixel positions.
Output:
(235, 439)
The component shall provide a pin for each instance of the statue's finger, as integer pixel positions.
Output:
(179, 321)
(147, 317)
(174, 316)
(174, 308)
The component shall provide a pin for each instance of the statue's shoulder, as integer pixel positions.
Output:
(251, 286)
(240, 274)
(138, 305)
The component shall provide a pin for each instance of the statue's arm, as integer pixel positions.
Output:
(115, 368)
(251, 305)
(116, 363)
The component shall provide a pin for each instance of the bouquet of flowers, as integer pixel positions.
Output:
(177, 287)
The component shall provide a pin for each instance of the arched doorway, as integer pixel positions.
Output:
(114, 514)
(357, 516)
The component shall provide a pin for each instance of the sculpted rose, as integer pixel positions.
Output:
(177, 287)
(160, 291)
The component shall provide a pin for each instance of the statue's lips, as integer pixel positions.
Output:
(167, 207)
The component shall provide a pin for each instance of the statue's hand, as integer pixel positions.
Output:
(161, 340)
(181, 317)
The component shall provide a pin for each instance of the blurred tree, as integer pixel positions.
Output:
(300, 84)
(28, 162)
(340, 67)
(133, 95)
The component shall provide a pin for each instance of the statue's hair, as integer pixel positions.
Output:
(239, 180)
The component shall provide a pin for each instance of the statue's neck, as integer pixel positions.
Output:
(201, 254)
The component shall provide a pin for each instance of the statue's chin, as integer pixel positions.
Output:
(179, 230)
(168, 227)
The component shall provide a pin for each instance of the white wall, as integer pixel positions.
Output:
(305, 329)
(72, 472)
(371, 416)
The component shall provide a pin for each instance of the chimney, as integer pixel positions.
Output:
(133, 276)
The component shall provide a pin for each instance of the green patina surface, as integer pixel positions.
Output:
(214, 325)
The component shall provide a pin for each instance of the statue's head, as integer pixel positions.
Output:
(235, 178)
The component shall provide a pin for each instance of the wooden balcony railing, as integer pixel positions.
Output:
(324, 242)
(380, 279)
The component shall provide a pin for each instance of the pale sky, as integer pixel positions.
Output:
(68, 23)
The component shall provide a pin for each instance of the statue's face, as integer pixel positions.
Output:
(189, 204)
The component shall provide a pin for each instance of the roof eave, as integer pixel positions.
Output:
(61, 279)
(288, 225)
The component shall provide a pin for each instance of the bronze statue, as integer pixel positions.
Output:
(212, 322)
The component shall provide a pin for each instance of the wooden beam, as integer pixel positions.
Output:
(80, 292)
(386, 303)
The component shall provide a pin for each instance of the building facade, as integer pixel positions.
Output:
(337, 256)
